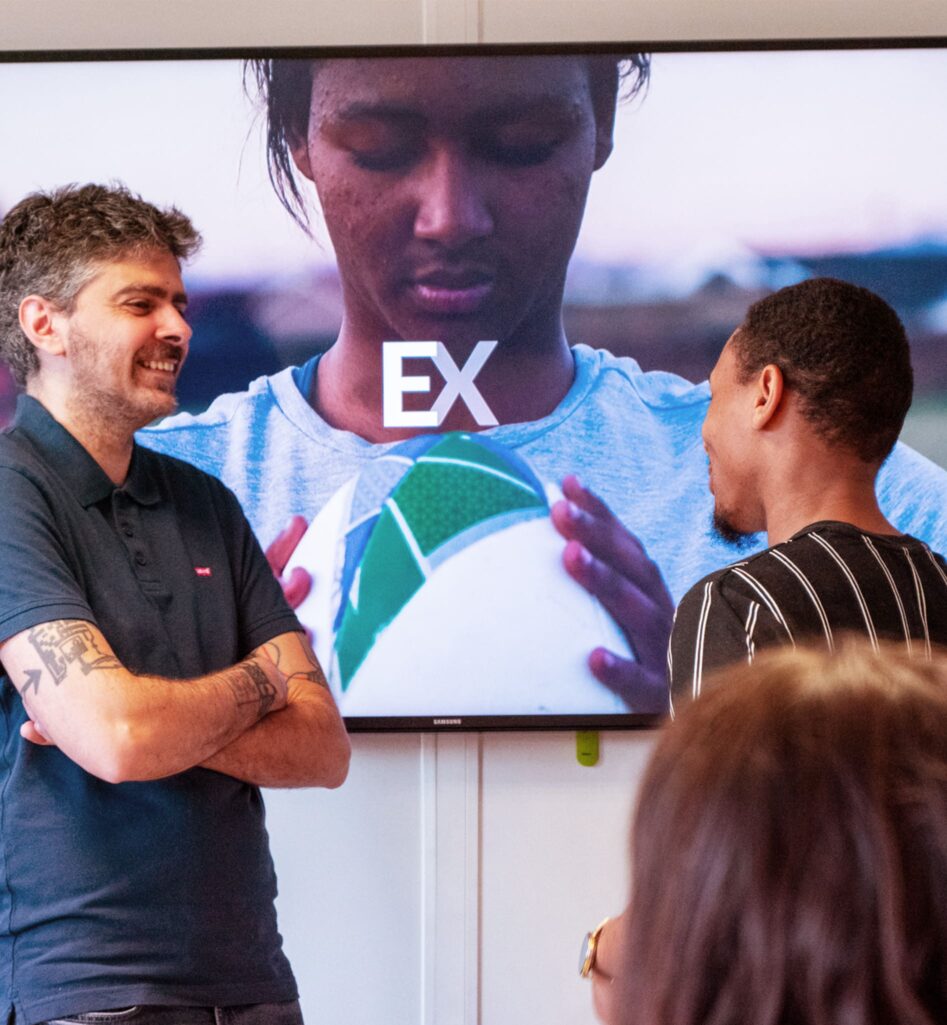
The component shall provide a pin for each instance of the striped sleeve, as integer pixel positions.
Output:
(714, 626)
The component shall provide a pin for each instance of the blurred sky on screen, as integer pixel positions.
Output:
(807, 152)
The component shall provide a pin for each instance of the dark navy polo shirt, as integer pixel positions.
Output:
(130, 893)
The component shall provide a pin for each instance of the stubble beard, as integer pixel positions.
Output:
(724, 528)
(111, 411)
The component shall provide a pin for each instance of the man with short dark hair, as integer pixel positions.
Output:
(807, 400)
(153, 675)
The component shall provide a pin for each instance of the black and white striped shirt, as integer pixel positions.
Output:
(828, 579)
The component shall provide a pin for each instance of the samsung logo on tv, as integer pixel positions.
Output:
(448, 722)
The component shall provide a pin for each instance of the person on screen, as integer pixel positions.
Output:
(153, 675)
(807, 401)
(789, 851)
(453, 189)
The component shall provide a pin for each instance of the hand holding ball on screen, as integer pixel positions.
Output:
(612, 564)
(439, 589)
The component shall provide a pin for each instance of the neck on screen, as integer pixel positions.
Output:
(524, 379)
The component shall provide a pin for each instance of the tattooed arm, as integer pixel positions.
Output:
(121, 726)
(303, 744)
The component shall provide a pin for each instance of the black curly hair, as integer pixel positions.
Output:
(841, 348)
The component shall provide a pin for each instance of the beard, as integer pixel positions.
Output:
(725, 529)
(102, 403)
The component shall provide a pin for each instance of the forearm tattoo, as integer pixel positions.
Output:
(313, 674)
(251, 686)
(63, 644)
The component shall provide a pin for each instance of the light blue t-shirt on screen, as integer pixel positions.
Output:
(632, 437)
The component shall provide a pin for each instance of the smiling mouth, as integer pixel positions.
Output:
(167, 366)
(162, 374)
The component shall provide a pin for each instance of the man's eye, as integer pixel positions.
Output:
(386, 158)
(523, 142)
(520, 146)
(376, 145)
(139, 306)
(521, 156)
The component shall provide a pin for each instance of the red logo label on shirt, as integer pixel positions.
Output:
(202, 571)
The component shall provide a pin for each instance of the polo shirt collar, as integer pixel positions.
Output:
(67, 458)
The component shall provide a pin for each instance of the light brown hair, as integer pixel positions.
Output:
(789, 854)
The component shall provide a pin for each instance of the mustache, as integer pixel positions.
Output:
(162, 351)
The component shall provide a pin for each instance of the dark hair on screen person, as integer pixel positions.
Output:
(789, 851)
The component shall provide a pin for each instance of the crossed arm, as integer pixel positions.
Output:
(303, 743)
(121, 726)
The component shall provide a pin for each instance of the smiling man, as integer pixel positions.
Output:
(807, 401)
(153, 674)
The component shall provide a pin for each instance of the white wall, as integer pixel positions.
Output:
(64, 24)
(452, 877)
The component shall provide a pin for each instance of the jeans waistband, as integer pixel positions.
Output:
(147, 1014)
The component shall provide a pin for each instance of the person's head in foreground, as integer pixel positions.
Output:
(92, 304)
(810, 392)
(789, 853)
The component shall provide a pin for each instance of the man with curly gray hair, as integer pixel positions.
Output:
(53, 245)
(144, 641)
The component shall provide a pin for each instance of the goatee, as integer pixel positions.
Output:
(723, 528)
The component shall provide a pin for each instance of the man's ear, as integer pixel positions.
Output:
(299, 151)
(604, 104)
(43, 324)
(604, 135)
(770, 387)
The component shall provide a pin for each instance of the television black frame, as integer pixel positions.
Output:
(480, 723)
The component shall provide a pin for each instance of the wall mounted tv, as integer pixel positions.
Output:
(436, 282)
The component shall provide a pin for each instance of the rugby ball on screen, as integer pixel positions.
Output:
(438, 590)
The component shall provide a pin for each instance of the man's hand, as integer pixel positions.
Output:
(297, 585)
(612, 565)
(34, 733)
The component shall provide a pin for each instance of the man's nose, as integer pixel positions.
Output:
(452, 207)
(173, 327)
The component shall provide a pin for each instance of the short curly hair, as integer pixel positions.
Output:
(52, 244)
(844, 351)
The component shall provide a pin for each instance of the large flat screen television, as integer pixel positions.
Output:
(391, 236)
